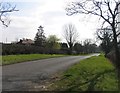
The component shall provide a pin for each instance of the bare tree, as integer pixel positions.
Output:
(70, 34)
(108, 11)
(6, 8)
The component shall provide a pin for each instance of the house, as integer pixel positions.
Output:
(26, 41)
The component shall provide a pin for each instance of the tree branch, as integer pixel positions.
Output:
(6, 9)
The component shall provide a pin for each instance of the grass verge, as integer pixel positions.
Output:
(92, 74)
(12, 59)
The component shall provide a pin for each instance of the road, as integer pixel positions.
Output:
(22, 76)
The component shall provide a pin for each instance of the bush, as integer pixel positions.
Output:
(11, 49)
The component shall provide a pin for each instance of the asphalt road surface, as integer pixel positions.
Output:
(22, 76)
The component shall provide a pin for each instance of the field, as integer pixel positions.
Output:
(11, 59)
(92, 74)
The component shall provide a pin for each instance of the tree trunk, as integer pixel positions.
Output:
(117, 55)
(70, 47)
(70, 50)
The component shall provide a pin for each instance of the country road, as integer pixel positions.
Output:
(22, 76)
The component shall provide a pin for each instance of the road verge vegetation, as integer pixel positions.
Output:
(12, 59)
(92, 74)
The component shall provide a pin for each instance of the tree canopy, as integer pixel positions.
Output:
(53, 42)
(40, 38)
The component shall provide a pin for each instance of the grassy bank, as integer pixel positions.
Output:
(92, 74)
(11, 59)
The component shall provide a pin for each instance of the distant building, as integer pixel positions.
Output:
(26, 41)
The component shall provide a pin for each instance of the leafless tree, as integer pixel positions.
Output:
(70, 34)
(108, 11)
(5, 9)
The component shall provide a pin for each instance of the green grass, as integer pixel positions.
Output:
(92, 74)
(11, 59)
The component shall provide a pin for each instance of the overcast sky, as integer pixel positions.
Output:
(50, 14)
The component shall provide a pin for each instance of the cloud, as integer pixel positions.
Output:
(20, 27)
(21, 1)
(49, 13)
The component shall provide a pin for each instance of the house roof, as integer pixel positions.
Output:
(27, 41)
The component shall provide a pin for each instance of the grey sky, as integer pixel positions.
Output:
(51, 15)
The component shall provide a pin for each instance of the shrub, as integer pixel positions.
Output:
(11, 49)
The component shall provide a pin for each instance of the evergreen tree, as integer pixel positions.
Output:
(40, 38)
